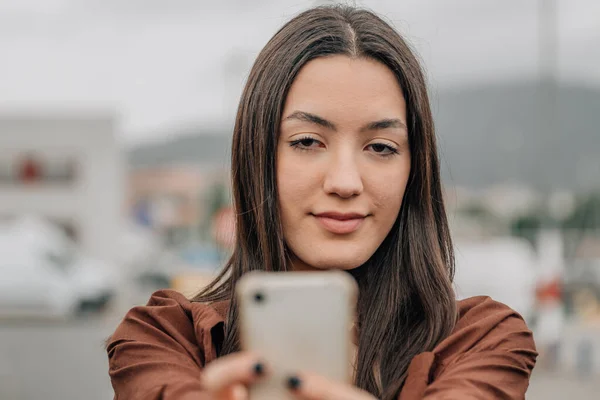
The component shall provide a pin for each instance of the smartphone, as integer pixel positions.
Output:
(297, 321)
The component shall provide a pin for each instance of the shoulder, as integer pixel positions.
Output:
(199, 313)
(158, 350)
(486, 324)
(489, 354)
(484, 311)
(171, 306)
(170, 317)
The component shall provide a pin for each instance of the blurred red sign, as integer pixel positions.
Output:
(30, 170)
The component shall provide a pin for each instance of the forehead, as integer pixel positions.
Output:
(360, 87)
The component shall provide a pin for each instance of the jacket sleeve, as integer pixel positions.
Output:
(155, 352)
(498, 368)
(490, 355)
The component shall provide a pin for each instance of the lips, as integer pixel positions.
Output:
(340, 223)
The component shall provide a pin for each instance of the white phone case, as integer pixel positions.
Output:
(297, 321)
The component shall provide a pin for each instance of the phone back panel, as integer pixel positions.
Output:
(297, 321)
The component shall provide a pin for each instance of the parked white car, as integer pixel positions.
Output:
(43, 273)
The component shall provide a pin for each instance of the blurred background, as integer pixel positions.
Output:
(115, 127)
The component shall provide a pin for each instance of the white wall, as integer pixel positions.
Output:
(94, 201)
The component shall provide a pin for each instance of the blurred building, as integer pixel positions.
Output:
(170, 200)
(177, 185)
(68, 169)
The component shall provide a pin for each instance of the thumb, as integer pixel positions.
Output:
(235, 392)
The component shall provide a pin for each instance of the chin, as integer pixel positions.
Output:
(336, 256)
(335, 262)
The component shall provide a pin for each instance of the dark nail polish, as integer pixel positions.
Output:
(294, 383)
(259, 369)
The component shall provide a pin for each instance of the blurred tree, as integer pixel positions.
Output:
(476, 210)
(527, 226)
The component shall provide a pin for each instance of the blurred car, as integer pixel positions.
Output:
(44, 274)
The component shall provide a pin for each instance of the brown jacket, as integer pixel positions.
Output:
(158, 352)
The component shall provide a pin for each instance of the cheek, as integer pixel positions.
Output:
(296, 182)
(388, 197)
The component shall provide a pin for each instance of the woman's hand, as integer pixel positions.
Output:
(228, 378)
(313, 387)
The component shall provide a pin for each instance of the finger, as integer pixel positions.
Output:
(313, 387)
(239, 392)
(238, 368)
(235, 392)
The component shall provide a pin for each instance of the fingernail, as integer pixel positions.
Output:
(294, 383)
(259, 369)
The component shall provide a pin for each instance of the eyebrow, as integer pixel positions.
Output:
(371, 126)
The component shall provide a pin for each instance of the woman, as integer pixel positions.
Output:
(335, 167)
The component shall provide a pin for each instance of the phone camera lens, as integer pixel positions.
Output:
(259, 297)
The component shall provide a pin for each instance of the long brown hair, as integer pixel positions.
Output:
(406, 303)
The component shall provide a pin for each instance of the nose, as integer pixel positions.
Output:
(343, 177)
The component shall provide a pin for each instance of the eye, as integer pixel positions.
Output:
(306, 143)
(383, 149)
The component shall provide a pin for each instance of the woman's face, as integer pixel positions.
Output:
(343, 161)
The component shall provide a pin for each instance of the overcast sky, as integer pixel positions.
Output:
(163, 63)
